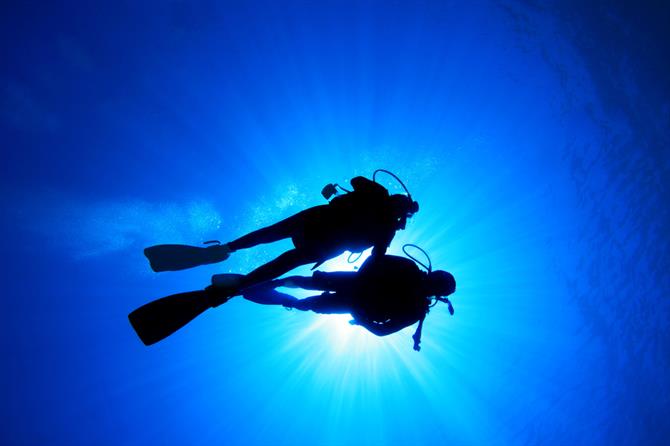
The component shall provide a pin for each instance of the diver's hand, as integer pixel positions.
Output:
(417, 343)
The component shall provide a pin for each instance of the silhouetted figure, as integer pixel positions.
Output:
(387, 294)
(365, 217)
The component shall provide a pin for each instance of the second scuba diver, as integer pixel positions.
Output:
(387, 294)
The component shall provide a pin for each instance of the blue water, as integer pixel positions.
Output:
(535, 138)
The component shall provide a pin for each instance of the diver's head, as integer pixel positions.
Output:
(403, 207)
(440, 283)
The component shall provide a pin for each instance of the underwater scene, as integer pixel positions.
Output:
(524, 146)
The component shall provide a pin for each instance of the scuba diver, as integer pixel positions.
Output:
(387, 294)
(366, 217)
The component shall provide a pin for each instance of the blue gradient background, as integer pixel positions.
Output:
(534, 136)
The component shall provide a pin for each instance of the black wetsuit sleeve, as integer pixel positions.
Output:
(383, 242)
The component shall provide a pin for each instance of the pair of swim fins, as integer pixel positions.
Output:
(180, 257)
(159, 319)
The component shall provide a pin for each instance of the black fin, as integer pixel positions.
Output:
(179, 257)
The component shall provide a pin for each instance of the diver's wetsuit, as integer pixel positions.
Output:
(386, 295)
(354, 222)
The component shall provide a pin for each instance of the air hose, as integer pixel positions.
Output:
(374, 178)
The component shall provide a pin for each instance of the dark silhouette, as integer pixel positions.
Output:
(365, 217)
(179, 257)
(160, 318)
(387, 294)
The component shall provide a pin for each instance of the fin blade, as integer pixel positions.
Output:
(180, 257)
(159, 319)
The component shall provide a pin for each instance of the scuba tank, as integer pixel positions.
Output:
(412, 207)
(331, 189)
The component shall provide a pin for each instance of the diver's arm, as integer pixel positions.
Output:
(379, 250)
(382, 243)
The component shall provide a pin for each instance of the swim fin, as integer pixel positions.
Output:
(178, 257)
(159, 319)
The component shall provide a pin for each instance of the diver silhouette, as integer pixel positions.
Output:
(366, 217)
(387, 294)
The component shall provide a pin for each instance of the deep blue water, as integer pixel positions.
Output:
(534, 136)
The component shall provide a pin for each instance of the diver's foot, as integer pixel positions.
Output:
(217, 296)
(218, 253)
(223, 287)
(227, 280)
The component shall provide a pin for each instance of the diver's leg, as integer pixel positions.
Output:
(326, 303)
(320, 280)
(304, 282)
(278, 231)
(323, 281)
(267, 295)
(275, 268)
(333, 281)
(271, 270)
